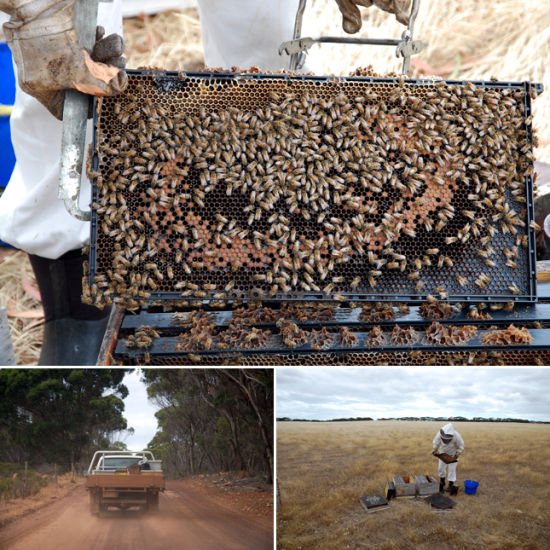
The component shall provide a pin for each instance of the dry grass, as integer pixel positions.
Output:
(11, 510)
(18, 294)
(324, 468)
(169, 40)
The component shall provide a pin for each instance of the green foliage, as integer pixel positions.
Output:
(213, 419)
(56, 415)
(12, 481)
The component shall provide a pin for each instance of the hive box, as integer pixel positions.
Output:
(404, 486)
(426, 485)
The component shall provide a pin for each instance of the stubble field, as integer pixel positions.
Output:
(324, 468)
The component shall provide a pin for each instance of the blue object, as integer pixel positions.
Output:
(7, 98)
(470, 487)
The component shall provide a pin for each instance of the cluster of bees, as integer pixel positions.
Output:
(401, 336)
(283, 187)
(377, 312)
(200, 332)
(448, 335)
(506, 337)
(200, 336)
(347, 338)
(142, 338)
(438, 310)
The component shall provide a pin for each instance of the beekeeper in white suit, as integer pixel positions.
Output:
(49, 60)
(449, 441)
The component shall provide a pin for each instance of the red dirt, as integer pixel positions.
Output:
(191, 516)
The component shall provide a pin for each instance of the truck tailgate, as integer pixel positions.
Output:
(123, 480)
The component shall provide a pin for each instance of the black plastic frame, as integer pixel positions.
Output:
(163, 80)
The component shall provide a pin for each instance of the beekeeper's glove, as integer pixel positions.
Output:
(458, 453)
(49, 58)
(352, 16)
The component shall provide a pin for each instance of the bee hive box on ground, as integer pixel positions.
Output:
(426, 485)
(404, 486)
(247, 186)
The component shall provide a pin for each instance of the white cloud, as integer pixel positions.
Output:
(324, 393)
(139, 412)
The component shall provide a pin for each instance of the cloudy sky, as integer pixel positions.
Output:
(324, 393)
(139, 412)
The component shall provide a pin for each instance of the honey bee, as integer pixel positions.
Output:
(462, 281)
(514, 289)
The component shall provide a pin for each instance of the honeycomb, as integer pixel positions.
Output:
(232, 187)
(472, 358)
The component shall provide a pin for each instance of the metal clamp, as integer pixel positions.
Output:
(75, 118)
(405, 46)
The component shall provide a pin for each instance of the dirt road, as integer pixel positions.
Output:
(191, 516)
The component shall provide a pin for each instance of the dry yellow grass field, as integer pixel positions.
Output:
(324, 468)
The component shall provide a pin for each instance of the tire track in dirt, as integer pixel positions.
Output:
(190, 517)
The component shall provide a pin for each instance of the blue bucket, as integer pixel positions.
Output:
(7, 98)
(470, 487)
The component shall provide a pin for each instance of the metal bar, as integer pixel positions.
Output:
(110, 338)
(75, 117)
(294, 58)
(349, 40)
(408, 35)
(171, 322)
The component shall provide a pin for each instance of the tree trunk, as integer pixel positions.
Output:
(261, 423)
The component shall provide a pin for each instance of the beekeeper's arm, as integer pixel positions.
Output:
(351, 15)
(49, 59)
(436, 443)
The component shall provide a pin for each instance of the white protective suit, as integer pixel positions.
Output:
(454, 447)
(235, 33)
(32, 218)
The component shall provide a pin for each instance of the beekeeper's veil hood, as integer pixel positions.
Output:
(447, 433)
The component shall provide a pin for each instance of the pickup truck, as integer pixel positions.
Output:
(124, 479)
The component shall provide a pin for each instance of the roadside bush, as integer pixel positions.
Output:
(12, 481)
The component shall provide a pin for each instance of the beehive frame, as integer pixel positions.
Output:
(250, 186)
(290, 335)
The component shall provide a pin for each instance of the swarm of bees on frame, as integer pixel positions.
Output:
(448, 335)
(341, 189)
(404, 336)
(506, 337)
(142, 338)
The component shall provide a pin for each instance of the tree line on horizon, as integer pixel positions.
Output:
(418, 419)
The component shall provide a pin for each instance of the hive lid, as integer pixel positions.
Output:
(374, 503)
(440, 502)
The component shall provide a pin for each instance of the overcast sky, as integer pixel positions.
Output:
(323, 393)
(139, 412)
